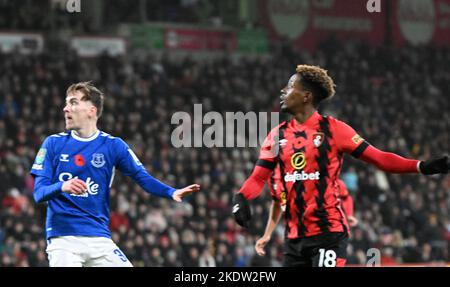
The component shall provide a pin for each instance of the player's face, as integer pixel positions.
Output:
(291, 96)
(77, 112)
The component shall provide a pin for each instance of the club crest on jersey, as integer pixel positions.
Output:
(318, 139)
(98, 160)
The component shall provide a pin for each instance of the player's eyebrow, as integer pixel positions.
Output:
(71, 100)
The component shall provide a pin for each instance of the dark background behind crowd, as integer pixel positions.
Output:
(397, 99)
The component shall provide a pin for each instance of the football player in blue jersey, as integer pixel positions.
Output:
(74, 171)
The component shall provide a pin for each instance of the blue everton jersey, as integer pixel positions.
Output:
(65, 156)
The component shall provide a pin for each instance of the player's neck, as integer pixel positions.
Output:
(86, 132)
(302, 116)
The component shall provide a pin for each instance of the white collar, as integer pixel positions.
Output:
(91, 138)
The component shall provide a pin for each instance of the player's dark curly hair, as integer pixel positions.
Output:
(316, 80)
(90, 93)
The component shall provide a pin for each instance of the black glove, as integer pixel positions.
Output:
(241, 210)
(436, 165)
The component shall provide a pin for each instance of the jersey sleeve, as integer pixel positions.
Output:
(128, 163)
(126, 160)
(348, 140)
(268, 153)
(43, 163)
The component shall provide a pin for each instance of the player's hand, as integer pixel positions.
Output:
(179, 194)
(260, 244)
(352, 221)
(74, 186)
(241, 210)
(435, 166)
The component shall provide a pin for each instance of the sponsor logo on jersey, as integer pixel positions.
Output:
(37, 167)
(235, 208)
(298, 160)
(357, 139)
(41, 156)
(92, 187)
(318, 139)
(79, 160)
(283, 142)
(64, 157)
(98, 160)
(301, 176)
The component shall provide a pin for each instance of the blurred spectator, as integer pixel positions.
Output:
(206, 259)
(350, 178)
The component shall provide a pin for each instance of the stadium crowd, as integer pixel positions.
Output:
(395, 98)
(51, 14)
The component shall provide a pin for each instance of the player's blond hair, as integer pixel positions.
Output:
(90, 93)
(318, 81)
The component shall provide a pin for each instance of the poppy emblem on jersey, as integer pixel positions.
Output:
(298, 160)
(98, 160)
(318, 139)
(79, 160)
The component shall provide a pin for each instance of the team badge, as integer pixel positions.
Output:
(318, 139)
(98, 160)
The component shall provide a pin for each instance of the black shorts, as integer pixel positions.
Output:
(323, 250)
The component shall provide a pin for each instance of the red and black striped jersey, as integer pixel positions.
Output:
(276, 187)
(279, 194)
(309, 156)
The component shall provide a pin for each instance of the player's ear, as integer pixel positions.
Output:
(308, 97)
(93, 111)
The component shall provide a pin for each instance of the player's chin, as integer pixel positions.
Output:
(284, 108)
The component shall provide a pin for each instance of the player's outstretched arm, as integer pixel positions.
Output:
(435, 165)
(350, 142)
(394, 163)
(274, 218)
(251, 188)
(179, 194)
(129, 164)
(254, 185)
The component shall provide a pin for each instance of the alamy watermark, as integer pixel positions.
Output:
(214, 129)
(71, 6)
(373, 6)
